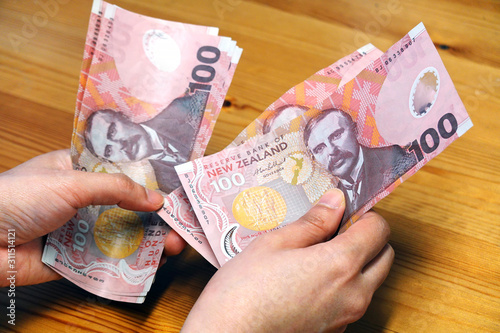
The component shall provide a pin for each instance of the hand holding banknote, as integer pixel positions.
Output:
(44, 193)
(365, 139)
(150, 93)
(294, 278)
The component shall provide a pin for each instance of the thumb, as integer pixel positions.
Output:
(317, 225)
(90, 188)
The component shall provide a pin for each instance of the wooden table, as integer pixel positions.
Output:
(445, 219)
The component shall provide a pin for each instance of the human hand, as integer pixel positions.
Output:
(43, 193)
(294, 279)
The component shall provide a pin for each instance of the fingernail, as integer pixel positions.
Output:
(163, 260)
(332, 199)
(155, 198)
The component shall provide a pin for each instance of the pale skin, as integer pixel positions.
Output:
(43, 193)
(292, 279)
(295, 279)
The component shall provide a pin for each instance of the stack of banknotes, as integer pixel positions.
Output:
(149, 95)
(150, 92)
(363, 125)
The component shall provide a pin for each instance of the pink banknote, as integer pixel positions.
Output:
(152, 91)
(98, 8)
(365, 138)
(177, 211)
(309, 93)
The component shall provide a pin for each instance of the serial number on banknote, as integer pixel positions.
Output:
(395, 55)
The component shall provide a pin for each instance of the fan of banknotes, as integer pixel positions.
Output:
(363, 125)
(150, 92)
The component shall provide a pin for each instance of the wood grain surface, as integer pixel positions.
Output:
(445, 219)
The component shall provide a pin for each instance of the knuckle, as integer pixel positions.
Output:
(124, 183)
(74, 191)
(348, 255)
(392, 253)
(384, 228)
(315, 223)
(359, 305)
(343, 266)
(380, 225)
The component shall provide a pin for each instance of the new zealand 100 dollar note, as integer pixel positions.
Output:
(366, 138)
(150, 92)
(177, 211)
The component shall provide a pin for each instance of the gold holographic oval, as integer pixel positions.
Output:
(259, 208)
(118, 232)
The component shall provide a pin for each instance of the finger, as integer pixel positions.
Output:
(174, 244)
(317, 225)
(29, 268)
(376, 271)
(163, 260)
(341, 329)
(62, 160)
(89, 188)
(57, 160)
(364, 239)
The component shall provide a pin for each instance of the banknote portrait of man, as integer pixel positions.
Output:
(281, 116)
(331, 139)
(165, 140)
